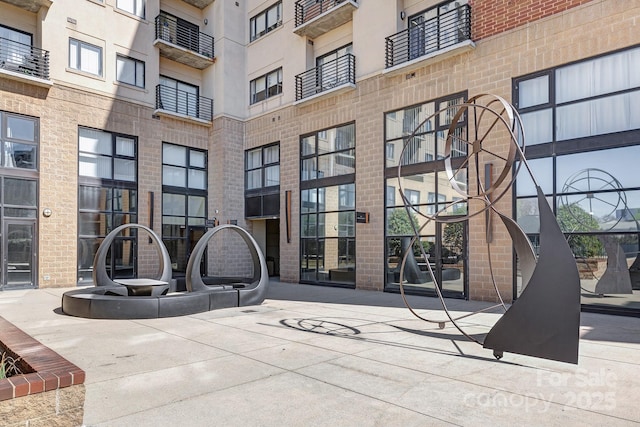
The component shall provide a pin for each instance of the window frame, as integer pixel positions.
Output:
(111, 213)
(264, 165)
(253, 21)
(4, 138)
(114, 156)
(136, 63)
(78, 60)
(268, 92)
(557, 146)
(139, 13)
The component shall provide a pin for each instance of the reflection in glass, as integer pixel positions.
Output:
(621, 163)
(20, 192)
(533, 92)
(19, 257)
(538, 126)
(174, 204)
(416, 272)
(542, 169)
(18, 155)
(94, 198)
(21, 128)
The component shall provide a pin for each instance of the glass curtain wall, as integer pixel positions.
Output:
(107, 198)
(582, 123)
(427, 188)
(327, 207)
(184, 202)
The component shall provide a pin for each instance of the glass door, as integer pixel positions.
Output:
(19, 253)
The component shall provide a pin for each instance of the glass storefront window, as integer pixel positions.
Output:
(585, 133)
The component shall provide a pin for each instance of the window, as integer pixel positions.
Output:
(265, 21)
(266, 86)
(590, 98)
(332, 71)
(328, 203)
(428, 140)
(328, 153)
(262, 181)
(107, 198)
(134, 7)
(413, 196)
(184, 201)
(85, 57)
(179, 97)
(130, 71)
(262, 167)
(104, 155)
(14, 47)
(427, 188)
(391, 195)
(19, 141)
(582, 124)
(436, 28)
(184, 167)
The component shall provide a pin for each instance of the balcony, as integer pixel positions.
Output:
(23, 62)
(29, 5)
(200, 4)
(448, 33)
(333, 76)
(182, 42)
(316, 17)
(178, 103)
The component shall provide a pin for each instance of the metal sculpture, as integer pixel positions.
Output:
(544, 322)
(100, 275)
(148, 298)
(256, 292)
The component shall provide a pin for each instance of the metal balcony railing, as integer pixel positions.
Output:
(25, 59)
(171, 30)
(182, 102)
(327, 76)
(446, 30)
(306, 10)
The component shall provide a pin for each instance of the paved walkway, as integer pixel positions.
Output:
(317, 356)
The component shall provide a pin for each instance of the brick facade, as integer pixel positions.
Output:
(536, 35)
(489, 68)
(495, 17)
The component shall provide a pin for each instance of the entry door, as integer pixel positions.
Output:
(19, 256)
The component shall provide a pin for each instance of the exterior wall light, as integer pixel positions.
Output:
(46, 212)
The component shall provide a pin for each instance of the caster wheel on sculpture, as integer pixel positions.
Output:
(498, 355)
(441, 325)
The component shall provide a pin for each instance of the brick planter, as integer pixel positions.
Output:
(52, 394)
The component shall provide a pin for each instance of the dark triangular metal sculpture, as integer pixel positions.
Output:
(545, 321)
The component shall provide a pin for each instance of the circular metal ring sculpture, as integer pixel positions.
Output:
(100, 275)
(595, 184)
(260, 278)
(551, 281)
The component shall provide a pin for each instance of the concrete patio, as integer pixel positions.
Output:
(317, 356)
